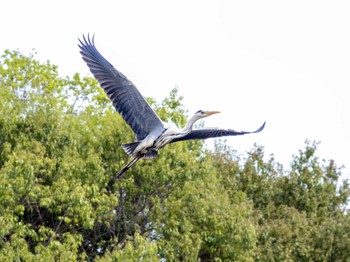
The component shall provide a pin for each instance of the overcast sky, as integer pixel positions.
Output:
(284, 62)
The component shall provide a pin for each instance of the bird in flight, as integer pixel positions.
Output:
(150, 131)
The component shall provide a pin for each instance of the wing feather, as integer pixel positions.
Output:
(204, 133)
(125, 97)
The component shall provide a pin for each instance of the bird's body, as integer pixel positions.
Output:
(150, 145)
(150, 131)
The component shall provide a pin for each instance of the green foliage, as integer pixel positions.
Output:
(136, 248)
(199, 220)
(300, 215)
(60, 147)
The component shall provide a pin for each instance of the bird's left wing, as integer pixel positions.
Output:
(204, 133)
(125, 97)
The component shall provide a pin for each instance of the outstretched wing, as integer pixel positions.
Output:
(125, 97)
(204, 133)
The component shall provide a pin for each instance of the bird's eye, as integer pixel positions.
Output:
(199, 112)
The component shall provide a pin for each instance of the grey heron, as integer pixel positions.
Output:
(150, 131)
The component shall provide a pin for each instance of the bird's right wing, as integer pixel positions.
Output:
(204, 133)
(125, 97)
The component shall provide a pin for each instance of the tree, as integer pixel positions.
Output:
(60, 143)
(300, 214)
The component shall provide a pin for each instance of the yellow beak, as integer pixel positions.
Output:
(211, 112)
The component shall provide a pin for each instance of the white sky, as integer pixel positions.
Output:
(286, 62)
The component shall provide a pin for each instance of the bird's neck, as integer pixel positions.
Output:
(189, 124)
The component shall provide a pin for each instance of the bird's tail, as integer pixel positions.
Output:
(130, 148)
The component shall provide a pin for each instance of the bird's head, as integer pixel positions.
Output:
(198, 115)
(201, 113)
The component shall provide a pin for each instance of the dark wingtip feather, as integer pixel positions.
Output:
(87, 41)
(260, 128)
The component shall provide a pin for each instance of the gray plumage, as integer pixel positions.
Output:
(150, 131)
(124, 95)
(204, 133)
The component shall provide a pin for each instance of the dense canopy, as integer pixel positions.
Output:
(60, 145)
